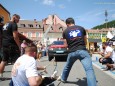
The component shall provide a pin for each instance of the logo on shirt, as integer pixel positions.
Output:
(74, 34)
(5, 27)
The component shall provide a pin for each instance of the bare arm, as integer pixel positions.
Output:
(101, 53)
(35, 80)
(108, 55)
(41, 68)
(16, 38)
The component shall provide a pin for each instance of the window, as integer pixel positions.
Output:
(30, 25)
(61, 28)
(37, 34)
(38, 26)
(22, 25)
(29, 34)
(52, 28)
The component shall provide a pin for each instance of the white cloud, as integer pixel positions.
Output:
(61, 6)
(49, 2)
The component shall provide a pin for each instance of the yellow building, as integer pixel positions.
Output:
(4, 15)
(94, 37)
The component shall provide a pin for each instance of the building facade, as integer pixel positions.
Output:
(51, 28)
(4, 15)
(95, 37)
(32, 29)
(46, 31)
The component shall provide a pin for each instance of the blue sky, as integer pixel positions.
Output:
(87, 13)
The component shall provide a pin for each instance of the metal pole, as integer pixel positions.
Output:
(106, 14)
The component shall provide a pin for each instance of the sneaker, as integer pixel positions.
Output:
(63, 81)
(59, 79)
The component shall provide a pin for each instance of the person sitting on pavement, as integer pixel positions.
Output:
(108, 55)
(112, 66)
(25, 70)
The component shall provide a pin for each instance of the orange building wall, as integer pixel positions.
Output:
(5, 15)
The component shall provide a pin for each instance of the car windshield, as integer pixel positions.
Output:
(58, 43)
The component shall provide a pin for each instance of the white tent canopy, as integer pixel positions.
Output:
(109, 35)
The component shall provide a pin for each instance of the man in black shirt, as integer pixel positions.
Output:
(10, 41)
(1, 25)
(75, 37)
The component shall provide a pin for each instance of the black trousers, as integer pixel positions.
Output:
(106, 60)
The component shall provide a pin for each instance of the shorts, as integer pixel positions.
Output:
(107, 60)
(10, 53)
(1, 54)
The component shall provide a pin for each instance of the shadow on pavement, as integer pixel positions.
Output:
(7, 71)
(4, 78)
(82, 82)
(79, 82)
(60, 59)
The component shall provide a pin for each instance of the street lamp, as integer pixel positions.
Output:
(106, 14)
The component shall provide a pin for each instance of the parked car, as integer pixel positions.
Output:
(57, 49)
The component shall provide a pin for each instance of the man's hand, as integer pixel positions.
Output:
(101, 53)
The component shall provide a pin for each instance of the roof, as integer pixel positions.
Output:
(94, 40)
(5, 9)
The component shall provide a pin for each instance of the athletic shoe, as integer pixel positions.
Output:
(63, 81)
(59, 79)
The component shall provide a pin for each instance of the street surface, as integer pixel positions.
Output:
(76, 77)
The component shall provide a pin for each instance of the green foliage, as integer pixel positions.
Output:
(110, 24)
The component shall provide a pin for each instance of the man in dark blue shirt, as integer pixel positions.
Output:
(75, 37)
